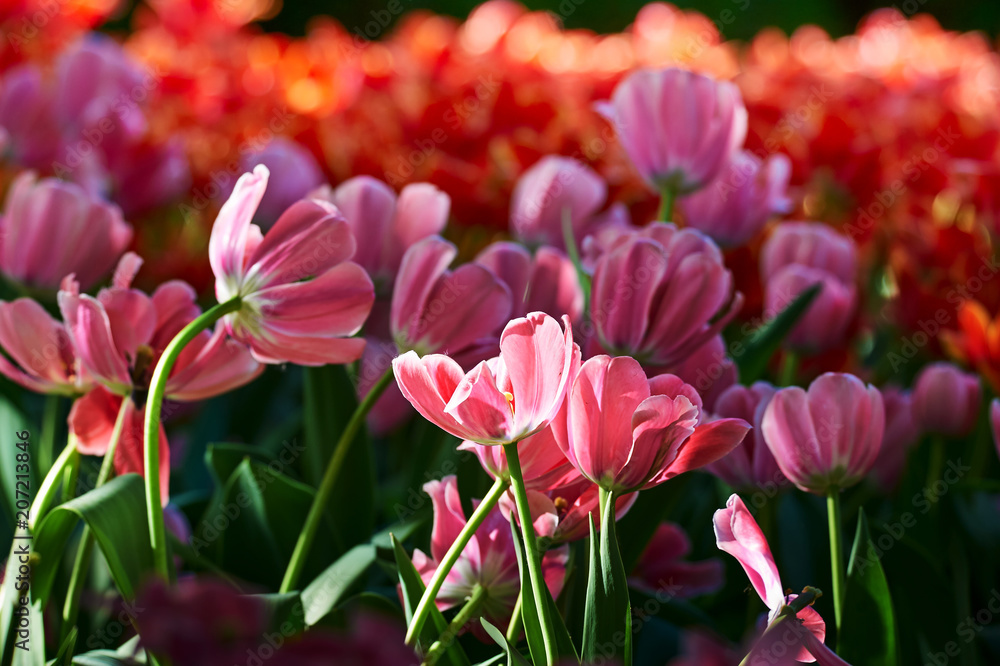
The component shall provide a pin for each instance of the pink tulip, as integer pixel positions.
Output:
(737, 533)
(294, 173)
(51, 228)
(575, 501)
(812, 244)
(386, 226)
(678, 128)
(28, 116)
(827, 437)
(709, 369)
(437, 310)
(825, 321)
(301, 298)
(144, 176)
(736, 205)
(555, 186)
(120, 334)
(661, 569)
(995, 422)
(488, 560)
(946, 400)
(41, 355)
(543, 464)
(751, 465)
(625, 432)
(901, 433)
(661, 293)
(92, 421)
(547, 282)
(500, 401)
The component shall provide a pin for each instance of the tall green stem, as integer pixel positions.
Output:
(836, 554)
(533, 557)
(86, 548)
(329, 481)
(448, 561)
(667, 196)
(154, 403)
(467, 613)
(50, 483)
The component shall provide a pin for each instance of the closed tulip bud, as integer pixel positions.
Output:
(751, 465)
(946, 399)
(827, 437)
(811, 244)
(554, 187)
(825, 321)
(901, 432)
(294, 172)
(678, 128)
(734, 207)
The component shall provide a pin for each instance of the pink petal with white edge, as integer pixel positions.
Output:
(88, 326)
(429, 383)
(481, 408)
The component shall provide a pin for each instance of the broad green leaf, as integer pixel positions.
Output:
(513, 657)
(529, 613)
(329, 403)
(412, 587)
(284, 609)
(13, 421)
(323, 594)
(608, 616)
(868, 635)
(765, 341)
(116, 515)
(591, 620)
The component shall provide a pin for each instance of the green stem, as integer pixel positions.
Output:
(426, 602)
(47, 490)
(667, 196)
(514, 626)
(533, 557)
(936, 464)
(50, 419)
(789, 368)
(84, 552)
(836, 554)
(329, 481)
(464, 616)
(573, 252)
(154, 403)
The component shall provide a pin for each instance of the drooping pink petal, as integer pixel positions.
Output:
(737, 533)
(88, 326)
(709, 442)
(211, 365)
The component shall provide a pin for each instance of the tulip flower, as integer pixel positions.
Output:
(486, 572)
(625, 432)
(946, 399)
(41, 355)
(576, 501)
(51, 228)
(661, 293)
(555, 186)
(502, 400)
(299, 298)
(294, 173)
(812, 244)
(678, 128)
(709, 369)
(826, 437)
(437, 310)
(822, 325)
(901, 433)
(746, 193)
(546, 282)
(737, 533)
(751, 465)
(661, 569)
(385, 226)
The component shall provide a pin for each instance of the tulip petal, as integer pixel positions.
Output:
(737, 533)
(227, 245)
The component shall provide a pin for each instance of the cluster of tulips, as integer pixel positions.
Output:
(641, 312)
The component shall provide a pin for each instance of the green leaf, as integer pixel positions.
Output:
(529, 614)
(765, 341)
(323, 594)
(223, 458)
(65, 655)
(284, 609)
(608, 616)
(412, 587)
(116, 515)
(868, 634)
(11, 422)
(513, 657)
(329, 403)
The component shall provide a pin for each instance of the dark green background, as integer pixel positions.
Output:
(839, 17)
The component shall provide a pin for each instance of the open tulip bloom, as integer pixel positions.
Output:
(445, 349)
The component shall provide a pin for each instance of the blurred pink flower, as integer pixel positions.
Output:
(41, 354)
(51, 228)
(661, 569)
(678, 128)
(946, 399)
(827, 437)
(294, 173)
(546, 282)
(812, 244)
(301, 298)
(751, 465)
(746, 193)
(553, 187)
(901, 433)
(823, 324)
(709, 369)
